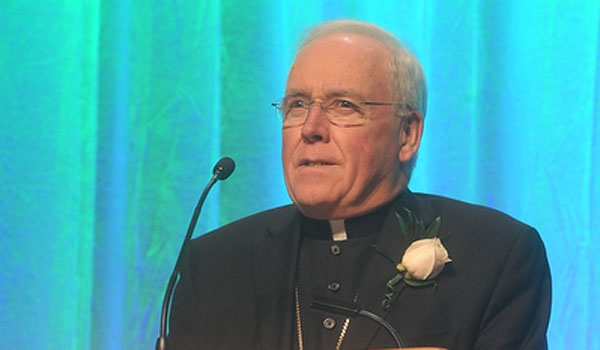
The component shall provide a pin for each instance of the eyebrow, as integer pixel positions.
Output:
(295, 93)
(328, 94)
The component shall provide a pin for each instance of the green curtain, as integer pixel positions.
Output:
(113, 112)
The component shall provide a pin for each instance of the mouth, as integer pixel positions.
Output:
(314, 163)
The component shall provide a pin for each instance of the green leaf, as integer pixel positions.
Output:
(433, 228)
(414, 229)
(404, 227)
(417, 283)
(393, 281)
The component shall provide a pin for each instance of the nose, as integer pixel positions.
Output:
(316, 125)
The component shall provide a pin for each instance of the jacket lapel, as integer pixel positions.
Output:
(380, 268)
(275, 260)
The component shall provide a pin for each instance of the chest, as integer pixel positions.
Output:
(328, 270)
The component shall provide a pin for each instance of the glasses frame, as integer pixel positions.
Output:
(281, 116)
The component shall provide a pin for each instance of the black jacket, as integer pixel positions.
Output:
(237, 289)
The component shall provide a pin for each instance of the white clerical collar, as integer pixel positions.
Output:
(338, 230)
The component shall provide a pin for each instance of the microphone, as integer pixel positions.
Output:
(224, 168)
(221, 171)
(352, 310)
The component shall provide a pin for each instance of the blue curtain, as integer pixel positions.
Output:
(112, 113)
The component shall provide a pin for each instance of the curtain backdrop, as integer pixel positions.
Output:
(113, 112)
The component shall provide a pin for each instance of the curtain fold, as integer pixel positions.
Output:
(113, 113)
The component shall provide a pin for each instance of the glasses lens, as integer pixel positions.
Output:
(342, 112)
(294, 110)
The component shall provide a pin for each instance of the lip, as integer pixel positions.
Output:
(306, 162)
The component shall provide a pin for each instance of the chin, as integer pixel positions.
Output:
(319, 212)
(316, 208)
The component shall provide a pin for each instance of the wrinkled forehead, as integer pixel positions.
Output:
(346, 45)
(341, 61)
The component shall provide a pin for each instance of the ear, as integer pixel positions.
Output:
(411, 136)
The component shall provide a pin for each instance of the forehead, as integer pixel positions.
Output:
(341, 62)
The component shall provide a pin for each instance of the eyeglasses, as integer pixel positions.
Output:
(342, 112)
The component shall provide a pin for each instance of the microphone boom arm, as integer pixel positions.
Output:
(221, 171)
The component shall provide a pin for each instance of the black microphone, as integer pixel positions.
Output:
(221, 171)
(352, 310)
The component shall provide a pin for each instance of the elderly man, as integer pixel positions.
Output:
(440, 272)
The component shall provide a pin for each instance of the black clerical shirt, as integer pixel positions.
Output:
(333, 270)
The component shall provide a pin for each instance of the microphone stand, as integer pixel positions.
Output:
(221, 171)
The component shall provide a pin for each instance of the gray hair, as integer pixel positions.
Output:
(407, 79)
(407, 76)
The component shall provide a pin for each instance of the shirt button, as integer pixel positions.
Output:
(333, 286)
(335, 249)
(328, 323)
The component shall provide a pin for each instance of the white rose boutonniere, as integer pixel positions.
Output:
(424, 258)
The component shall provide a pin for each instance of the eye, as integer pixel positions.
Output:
(296, 103)
(295, 107)
(344, 106)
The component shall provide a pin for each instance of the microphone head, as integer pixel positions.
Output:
(224, 168)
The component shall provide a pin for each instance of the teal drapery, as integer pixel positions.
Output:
(112, 114)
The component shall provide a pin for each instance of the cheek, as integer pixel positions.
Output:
(372, 147)
(287, 151)
(375, 156)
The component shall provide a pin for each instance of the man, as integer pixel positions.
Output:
(352, 118)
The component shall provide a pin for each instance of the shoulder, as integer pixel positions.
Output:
(479, 230)
(467, 215)
(261, 220)
(243, 231)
